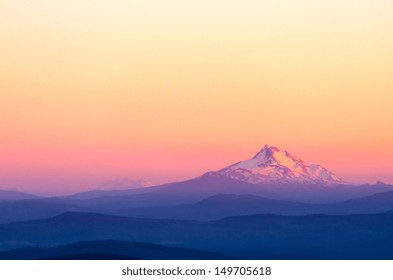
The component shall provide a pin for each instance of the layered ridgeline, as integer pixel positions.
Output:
(273, 205)
(274, 165)
(273, 181)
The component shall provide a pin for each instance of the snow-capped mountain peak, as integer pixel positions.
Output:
(125, 184)
(271, 164)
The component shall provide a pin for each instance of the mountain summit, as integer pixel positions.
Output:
(271, 165)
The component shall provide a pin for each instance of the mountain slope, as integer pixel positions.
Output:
(274, 165)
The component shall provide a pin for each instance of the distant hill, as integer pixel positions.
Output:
(117, 188)
(32, 209)
(14, 195)
(375, 203)
(225, 205)
(110, 193)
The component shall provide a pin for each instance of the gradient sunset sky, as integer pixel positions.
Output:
(167, 90)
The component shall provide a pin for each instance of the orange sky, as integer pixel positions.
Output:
(95, 90)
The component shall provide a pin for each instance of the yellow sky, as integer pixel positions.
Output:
(130, 86)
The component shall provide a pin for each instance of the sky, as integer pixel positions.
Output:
(167, 90)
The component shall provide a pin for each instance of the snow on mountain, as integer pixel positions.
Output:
(125, 184)
(274, 165)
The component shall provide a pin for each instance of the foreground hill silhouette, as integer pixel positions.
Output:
(109, 249)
